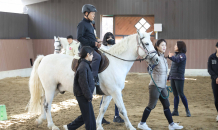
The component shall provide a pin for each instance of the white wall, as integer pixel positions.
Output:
(14, 73)
(26, 73)
(196, 72)
(192, 72)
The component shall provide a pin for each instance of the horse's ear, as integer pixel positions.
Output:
(138, 32)
(150, 32)
(58, 38)
(55, 38)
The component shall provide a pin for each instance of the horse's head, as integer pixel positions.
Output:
(146, 48)
(57, 43)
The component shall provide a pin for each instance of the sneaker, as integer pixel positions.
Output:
(65, 127)
(217, 118)
(175, 126)
(175, 112)
(143, 127)
(188, 114)
(104, 121)
(118, 119)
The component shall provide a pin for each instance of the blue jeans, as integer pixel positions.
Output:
(116, 109)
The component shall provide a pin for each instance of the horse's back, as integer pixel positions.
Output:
(57, 69)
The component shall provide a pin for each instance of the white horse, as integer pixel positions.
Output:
(60, 45)
(52, 74)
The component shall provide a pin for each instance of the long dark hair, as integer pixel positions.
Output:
(83, 54)
(106, 36)
(216, 46)
(181, 46)
(157, 44)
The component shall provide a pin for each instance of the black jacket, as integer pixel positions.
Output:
(177, 70)
(85, 34)
(84, 81)
(213, 66)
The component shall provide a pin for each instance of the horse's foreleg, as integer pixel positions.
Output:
(105, 102)
(117, 96)
(49, 96)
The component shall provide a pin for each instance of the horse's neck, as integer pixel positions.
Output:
(129, 54)
(64, 42)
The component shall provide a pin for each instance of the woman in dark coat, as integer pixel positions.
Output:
(213, 71)
(176, 76)
(83, 89)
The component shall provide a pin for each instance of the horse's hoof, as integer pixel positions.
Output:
(132, 128)
(100, 128)
(50, 126)
(38, 122)
(55, 128)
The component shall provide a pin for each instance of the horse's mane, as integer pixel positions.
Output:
(121, 46)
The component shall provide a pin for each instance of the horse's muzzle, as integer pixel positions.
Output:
(155, 60)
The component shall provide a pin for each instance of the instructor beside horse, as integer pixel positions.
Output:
(158, 89)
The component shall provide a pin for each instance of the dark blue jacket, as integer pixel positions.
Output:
(84, 81)
(85, 34)
(177, 70)
(212, 66)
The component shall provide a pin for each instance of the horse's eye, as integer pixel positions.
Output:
(146, 44)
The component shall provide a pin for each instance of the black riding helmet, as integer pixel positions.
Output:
(88, 8)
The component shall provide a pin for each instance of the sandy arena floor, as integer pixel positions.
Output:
(15, 95)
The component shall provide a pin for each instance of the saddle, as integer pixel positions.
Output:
(103, 64)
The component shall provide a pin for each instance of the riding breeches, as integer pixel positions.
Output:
(178, 87)
(95, 63)
(154, 95)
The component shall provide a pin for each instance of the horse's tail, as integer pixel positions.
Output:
(36, 89)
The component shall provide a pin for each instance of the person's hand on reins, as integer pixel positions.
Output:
(99, 45)
(96, 43)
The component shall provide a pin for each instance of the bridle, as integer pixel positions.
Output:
(144, 48)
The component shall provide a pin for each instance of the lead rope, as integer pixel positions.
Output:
(169, 88)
